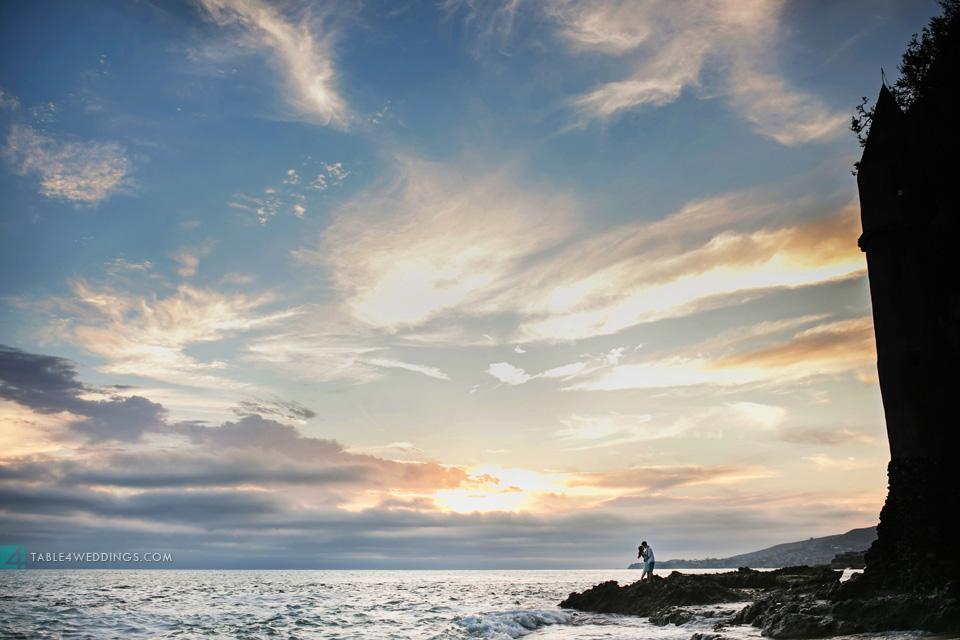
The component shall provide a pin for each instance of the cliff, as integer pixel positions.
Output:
(909, 208)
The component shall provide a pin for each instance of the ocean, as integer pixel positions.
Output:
(382, 605)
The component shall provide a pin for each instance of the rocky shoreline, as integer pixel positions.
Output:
(794, 602)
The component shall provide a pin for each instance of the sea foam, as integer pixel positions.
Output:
(505, 625)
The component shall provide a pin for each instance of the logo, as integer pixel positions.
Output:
(13, 556)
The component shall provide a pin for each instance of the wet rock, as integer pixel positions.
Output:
(850, 608)
(673, 616)
(656, 597)
(797, 602)
(746, 578)
(652, 597)
(849, 560)
(799, 625)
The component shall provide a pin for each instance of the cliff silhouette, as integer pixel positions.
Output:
(909, 213)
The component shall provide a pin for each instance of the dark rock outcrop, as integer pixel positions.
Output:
(849, 608)
(795, 602)
(658, 598)
(652, 598)
(849, 560)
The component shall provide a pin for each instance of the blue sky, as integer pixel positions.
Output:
(446, 284)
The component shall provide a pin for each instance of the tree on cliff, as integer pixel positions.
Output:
(919, 76)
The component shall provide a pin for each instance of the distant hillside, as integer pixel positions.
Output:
(805, 552)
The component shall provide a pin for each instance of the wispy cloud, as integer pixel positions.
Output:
(658, 82)
(827, 349)
(301, 51)
(659, 478)
(669, 46)
(189, 258)
(277, 408)
(479, 250)
(121, 265)
(780, 113)
(149, 336)
(8, 101)
(584, 432)
(823, 462)
(434, 241)
(322, 356)
(681, 265)
(845, 344)
(431, 372)
(81, 172)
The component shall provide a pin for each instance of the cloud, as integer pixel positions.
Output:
(657, 83)
(149, 336)
(645, 272)
(584, 432)
(611, 27)
(441, 249)
(8, 101)
(187, 469)
(193, 508)
(295, 539)
(322, 356)
(823, 462)
(826, 436)
(280, 495)
(669, 47)
(331, 176)
(82, 172)
(831, 349)
(286, 409)
(251, 452)
(789, 117)
(431, 372)
(565, 371)
(120, 265)
(189, 258)
(436, 240)
(288, 196)
(729, 419)
(270, 204)
(300, 51)
(506, 372)
(652, 479)
(848, 344)
(47, 384)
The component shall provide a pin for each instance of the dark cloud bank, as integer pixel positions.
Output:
(257, 493)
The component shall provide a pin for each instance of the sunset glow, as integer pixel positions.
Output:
(288, 279)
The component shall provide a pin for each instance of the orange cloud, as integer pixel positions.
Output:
(660, 478)
(847, 344)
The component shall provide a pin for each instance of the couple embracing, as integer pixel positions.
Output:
(649, 561)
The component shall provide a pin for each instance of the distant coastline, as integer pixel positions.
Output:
(814, 551)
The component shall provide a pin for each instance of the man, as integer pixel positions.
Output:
(649, 560)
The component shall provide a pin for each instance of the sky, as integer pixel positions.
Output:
(437, 284)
